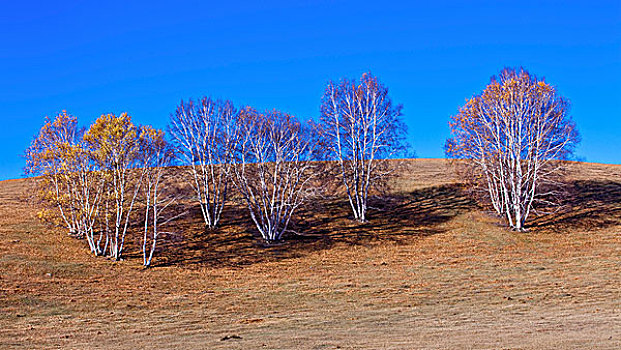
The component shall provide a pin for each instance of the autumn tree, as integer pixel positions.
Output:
(362, 128)
(70, 178)
(511, 140)
(46, 157)
(205, 135)
(95, 180)
(273, 168)
(113, 142)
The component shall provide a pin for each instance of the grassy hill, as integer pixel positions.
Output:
(430, 270)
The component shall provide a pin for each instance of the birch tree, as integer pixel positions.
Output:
(114, 144)
(273, 168)
(70, 179)
(205, 135)
(87, 185)
(156, 155)
(45, 157)
(362, 129)
(512, 138)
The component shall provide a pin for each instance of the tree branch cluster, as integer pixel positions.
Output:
(512, 140)
(98, 180)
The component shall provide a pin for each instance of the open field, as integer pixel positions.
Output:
(430, 270)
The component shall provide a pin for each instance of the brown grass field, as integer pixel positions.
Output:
(431, 270)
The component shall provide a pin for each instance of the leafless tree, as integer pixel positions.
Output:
(273, 168)
(205, 135)
(512, 138)
(362, 129)
(156, 155)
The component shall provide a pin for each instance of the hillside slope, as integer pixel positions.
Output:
(430, 270)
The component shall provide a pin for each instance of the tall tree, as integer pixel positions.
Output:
(45, 158)
(69, 177)
(156, 155)
(205, 135)
(273, 168)
(114, 144)
(512, 138)
(362, 128)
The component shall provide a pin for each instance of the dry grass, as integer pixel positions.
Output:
(430, 270)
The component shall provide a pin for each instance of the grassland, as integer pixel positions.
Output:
(432, 270)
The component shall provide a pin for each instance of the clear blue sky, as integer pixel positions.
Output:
(143, 57)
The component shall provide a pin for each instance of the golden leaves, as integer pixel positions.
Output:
(112, 139)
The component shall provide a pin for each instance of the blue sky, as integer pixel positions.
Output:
(144, 57)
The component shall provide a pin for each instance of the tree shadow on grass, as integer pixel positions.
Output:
(590, 205)
(398, 219)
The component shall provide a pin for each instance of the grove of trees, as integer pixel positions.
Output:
(117, 179)
(93, 180)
